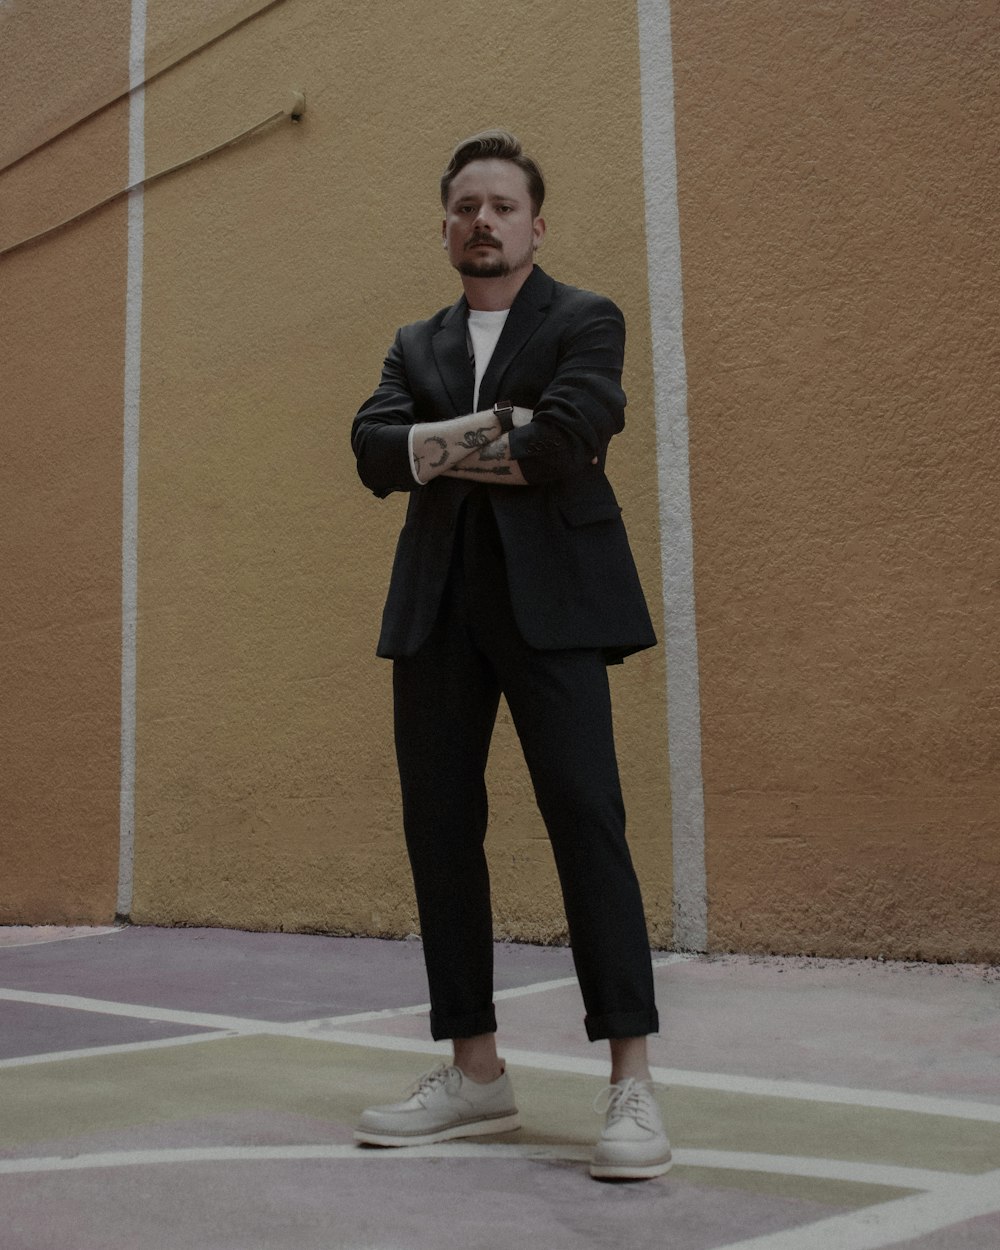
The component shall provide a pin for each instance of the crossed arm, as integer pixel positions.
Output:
(471, 447)
(565, 431)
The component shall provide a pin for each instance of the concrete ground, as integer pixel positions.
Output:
(195, 1089)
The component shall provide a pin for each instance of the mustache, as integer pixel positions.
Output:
(478, 239)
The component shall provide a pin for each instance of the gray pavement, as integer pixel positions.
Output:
(175, 1088)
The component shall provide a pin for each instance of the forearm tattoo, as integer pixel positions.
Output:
(476, 438)
(436, 464)
(496, 450)
(498, 470)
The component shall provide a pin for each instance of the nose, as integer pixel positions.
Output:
(484, 218)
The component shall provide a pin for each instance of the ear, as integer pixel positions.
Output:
(538, 230)
(444, 233)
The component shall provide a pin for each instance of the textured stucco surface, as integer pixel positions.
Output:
(839, 203)
(60, 60)
(61, 312)
(275, 277)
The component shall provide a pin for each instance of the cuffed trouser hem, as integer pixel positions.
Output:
(445, 1028)
(622, 1024)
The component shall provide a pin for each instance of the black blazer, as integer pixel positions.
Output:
(573, 581)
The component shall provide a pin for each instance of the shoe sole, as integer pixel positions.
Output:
(626, 1172)
(475, 1128)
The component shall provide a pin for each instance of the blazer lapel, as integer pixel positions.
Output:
(451, 352)
(528, 311)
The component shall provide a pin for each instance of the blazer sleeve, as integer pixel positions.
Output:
(381, 430)
(583, 406)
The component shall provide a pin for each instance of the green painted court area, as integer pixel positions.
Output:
(199, 1088)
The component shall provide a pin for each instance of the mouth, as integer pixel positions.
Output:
(473, 243)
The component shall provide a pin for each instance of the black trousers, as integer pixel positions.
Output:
(446, 699)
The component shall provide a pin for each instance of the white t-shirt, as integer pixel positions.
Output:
(484, 330)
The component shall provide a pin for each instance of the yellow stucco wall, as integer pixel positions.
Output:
(838, 199)
(62, 320)
(275, 276)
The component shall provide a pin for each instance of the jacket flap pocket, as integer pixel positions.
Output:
(587, 511)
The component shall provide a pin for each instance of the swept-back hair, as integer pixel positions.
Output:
(497, 145)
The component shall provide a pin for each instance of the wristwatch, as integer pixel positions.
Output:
(503, 410)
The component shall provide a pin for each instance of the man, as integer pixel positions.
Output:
(512, 575)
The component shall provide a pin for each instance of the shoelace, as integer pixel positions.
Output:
(432, 1080)
(629, 1098)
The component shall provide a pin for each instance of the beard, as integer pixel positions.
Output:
(493, 266)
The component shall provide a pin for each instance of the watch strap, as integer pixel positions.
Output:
(503, 410)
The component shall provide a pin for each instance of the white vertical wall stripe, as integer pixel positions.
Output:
(670, 403)
(130, 469)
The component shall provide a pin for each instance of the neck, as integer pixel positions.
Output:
(495, 294)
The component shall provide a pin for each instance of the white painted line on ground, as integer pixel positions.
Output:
(726, 1083)
(840, 1095)
(45, 935)
(890, 1223)
(300, 1028)
(258, 1154)
(124, 1048)
(846, 1170)
(886, 1100)
(378, 1041)
(419, 1009)
(849, 1170)
(517, 991)
(366, 1017)
(137, 1011)
(539, 987)
(243, 1025)
(948, 1198)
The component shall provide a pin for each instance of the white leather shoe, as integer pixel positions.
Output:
(634, 1143)
(444, 1103)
